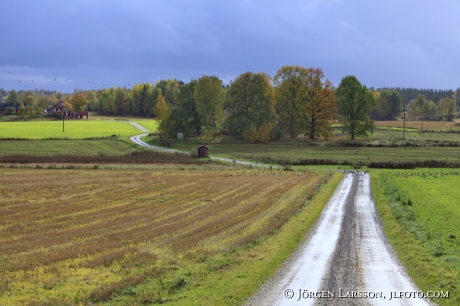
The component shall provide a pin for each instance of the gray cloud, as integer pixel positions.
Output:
(113, 43)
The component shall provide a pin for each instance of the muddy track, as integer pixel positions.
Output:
(345, 260)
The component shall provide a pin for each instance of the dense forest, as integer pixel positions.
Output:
(254, 106)
(409, 94)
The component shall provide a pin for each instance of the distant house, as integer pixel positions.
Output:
(202, 151)
(80, 115)
(60, 110)
(4, 106)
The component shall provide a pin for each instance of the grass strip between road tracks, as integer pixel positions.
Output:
(255, 265)
(405, 228)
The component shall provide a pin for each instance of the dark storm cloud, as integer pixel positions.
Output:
(113, 43)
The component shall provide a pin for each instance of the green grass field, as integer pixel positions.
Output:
(46, 137)
(420, 212)
(292, 150)
(72, 129)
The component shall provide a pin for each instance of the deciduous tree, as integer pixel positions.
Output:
(170, 90)
(431, 108)
(209, 99)
(354, 102)
(29, 100)
(67, 105)
(163, 112)
(421, 105)
(107, 101)
(185, 115)
(13, 97)
(79, 102)
(22, 111)
(10, 111)
(93, 101)
(319, 105)
(446, 108)
(290, 82)
(30, 111)
(251, 108)
(119, 99)
(135, 93)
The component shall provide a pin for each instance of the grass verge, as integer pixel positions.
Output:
(300, 151)
(419, 211)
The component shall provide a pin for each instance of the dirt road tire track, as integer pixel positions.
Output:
(347, 250)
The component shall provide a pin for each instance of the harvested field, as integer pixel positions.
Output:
(415, 124)
(65, 147)
(82, 235)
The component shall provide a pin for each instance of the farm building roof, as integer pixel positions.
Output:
(6, 105)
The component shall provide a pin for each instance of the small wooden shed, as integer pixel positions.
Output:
(202, 151)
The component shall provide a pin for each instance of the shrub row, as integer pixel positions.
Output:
(137, 157)
(413, 165)
(358, 144)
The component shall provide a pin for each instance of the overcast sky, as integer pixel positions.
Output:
(89, 44)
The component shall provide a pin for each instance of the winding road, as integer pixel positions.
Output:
(137, 140)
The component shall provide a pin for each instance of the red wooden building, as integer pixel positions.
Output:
(60, 110)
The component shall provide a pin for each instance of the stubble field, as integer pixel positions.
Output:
(80, 236)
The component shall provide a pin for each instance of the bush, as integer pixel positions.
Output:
(166, 142)
(276, 132)
(10, 111)
(413, 165)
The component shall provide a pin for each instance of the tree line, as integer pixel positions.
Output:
(252, 107)
(256, 108)
(409, 94)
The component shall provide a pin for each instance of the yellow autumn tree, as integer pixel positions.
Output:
(163, 112)
(79, 102)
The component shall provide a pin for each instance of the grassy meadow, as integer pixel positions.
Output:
(135, 237)
(420, 211)
(440, 142)
(72, 129)
(81, 137)
(291, 150)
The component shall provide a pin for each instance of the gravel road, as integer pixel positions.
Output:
(345, 260)
(137, 140)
